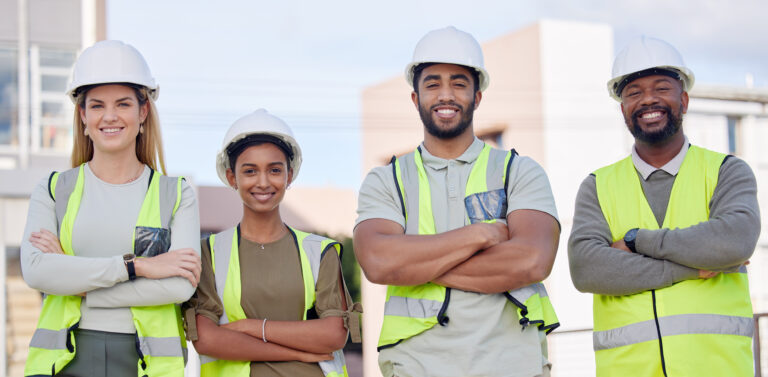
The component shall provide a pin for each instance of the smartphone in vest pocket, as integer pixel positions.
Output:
(151, 241)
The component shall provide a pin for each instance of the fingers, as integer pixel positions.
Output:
(189, 276)
(46, 242)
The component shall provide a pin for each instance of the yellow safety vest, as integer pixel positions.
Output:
(411, 310)
(160, 340)
(224, 248)
(699, 327)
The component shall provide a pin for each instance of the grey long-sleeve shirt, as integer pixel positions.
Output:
(665, 256)
(103, 232)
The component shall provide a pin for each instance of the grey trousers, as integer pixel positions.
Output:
(102, 354)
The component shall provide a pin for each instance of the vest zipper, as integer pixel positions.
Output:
(658, 332)
(442, 319)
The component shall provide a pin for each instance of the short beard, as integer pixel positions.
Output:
(434, 130)
(674, 122)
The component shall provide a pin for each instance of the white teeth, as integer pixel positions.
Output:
(446, 111)
(110, 130)
(654, 114)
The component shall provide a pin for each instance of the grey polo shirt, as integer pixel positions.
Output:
(483, 337)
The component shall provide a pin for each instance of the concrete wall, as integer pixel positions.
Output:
(52, 22)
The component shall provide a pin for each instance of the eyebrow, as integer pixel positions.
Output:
(457, 76)
(119, 100)
(280, 163)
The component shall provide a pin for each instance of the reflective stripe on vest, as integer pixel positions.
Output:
(159, 334)
(411, 310)
(705, 324)
(225, 255)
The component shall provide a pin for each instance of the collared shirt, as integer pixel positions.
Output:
(672, 167)
(483, 336)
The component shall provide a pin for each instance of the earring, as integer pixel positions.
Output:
(85, 131)
(141, 128)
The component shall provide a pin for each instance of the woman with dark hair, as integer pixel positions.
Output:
(272, 300)
(98, 236)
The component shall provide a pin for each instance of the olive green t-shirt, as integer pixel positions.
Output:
(273, 288)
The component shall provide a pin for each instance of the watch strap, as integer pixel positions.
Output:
(129, 266)
(629, 239)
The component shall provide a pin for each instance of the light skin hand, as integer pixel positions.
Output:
(49, 243)
(182, 262)
(46, 241)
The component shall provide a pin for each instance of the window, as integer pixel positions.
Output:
(733, 134)
(51, 116)
(8, 96)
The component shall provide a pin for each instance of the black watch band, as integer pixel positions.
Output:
(629, 239)
(129, 266)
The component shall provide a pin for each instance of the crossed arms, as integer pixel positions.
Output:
(482, 257)
(666, 256)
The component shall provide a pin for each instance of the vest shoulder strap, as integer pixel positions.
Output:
(508, 168)
(60, 187)
(170, 197)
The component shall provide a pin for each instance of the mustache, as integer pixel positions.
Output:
(636, 113)
(450, 103)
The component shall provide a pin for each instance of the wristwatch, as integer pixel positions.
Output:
(129, 266)
(630, 238)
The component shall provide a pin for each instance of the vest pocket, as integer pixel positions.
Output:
(488, 205)
(151, 241)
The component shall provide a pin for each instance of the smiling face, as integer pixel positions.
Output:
(653, 108)
(261, 176)
(446, 99)
(112, 115)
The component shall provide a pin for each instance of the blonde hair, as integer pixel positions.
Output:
(149, 144)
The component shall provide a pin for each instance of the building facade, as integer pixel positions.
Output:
(39, 42)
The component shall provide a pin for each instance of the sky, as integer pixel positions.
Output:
(308, 61)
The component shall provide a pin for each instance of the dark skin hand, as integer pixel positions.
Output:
(703, 274)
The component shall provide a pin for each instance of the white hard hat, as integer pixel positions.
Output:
(259, 122)
(645, 53)
(452, 46)
(111, 62)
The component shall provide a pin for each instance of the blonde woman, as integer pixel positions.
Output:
(113, 242)
(272, 300)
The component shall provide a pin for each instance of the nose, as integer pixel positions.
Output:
(262, 181)
(110, 114)
(648, 97)
(446, 94)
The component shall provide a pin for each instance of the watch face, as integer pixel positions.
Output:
(129, 257)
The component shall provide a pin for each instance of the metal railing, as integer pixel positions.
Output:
(569, 348)
(757, 343)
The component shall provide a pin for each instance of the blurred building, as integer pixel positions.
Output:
(39, 41)
(325, 210)
(548, 99)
